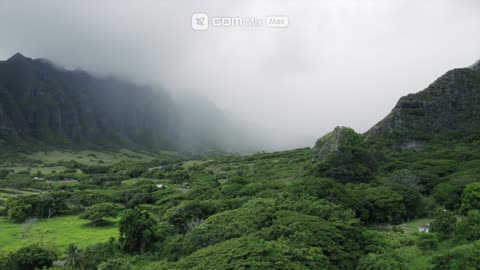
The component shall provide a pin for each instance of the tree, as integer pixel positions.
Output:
(339, 241)
(31, 257)
(444, 224)
(465, 257)
(98, 212)
(52, 203)
(385, 261)
(135, 171)
(180, 176)
(181, 215)
(18, 210)
(376, 204)
(137, 231)
(469, 227)
(4, 173)
(95, 254)
(348, 164)
(44, 205)
(427, 241)
(250, 252)
(471, 197)
(74, 258)
(403, 178)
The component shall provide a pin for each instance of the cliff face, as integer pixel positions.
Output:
(449, 107)
(46, 103)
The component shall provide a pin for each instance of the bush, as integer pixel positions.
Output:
(28, 258)
(115, 264)
(427, 241)
(471, 197)
(98, 212)
(381, 262)
(250, 252)
(95, 254)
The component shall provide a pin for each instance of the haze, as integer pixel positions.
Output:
(337, 63)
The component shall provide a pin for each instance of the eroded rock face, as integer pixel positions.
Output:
(47, 103)
(448, 107)
(331, 142)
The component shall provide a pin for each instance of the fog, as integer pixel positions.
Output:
(338, 62)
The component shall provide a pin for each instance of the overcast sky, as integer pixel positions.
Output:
(339, 62)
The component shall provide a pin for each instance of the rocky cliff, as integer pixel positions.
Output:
(449, 107)
(46, 103)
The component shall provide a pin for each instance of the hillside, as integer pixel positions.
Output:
(42, 104)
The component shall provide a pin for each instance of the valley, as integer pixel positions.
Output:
(403, 195)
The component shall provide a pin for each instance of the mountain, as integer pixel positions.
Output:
(43, 104)
(449, 109)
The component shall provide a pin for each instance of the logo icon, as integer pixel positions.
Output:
(199, 21)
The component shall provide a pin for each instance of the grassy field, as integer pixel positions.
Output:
(89, 157)
(412, 226)
(191, 163)
(56, 232)
(45, 161)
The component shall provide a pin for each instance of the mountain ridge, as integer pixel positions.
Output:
(449, 107)
(44, 104)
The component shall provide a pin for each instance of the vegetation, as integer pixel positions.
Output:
(97, 213)
(28, 258)
(359, 208)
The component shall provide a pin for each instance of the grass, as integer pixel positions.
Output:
(89, 157)
(57, 232)
(412, 226)
(45, 161)
(136, 181)
(190, 163)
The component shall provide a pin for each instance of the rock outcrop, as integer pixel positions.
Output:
(340, 136)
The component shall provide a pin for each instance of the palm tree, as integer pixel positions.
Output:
(74, 258)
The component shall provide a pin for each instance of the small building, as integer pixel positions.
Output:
(425, 228)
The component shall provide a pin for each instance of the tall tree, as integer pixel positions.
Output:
(137, 231)
(74, 258)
